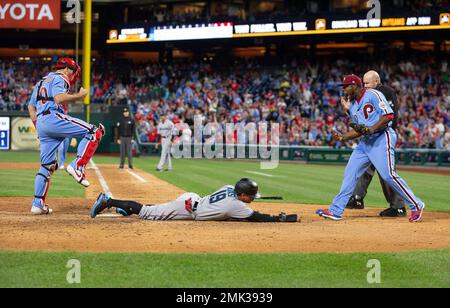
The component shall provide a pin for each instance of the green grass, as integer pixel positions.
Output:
(20, 183)
(420, 269)
(297, 183)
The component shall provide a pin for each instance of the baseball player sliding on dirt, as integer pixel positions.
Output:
(53, 126)
(372, 118)
(227, 203)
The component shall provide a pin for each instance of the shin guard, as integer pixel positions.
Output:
(41, 186)
(91, 146)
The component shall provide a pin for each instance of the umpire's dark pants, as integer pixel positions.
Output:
(125, 149)
(392, 196)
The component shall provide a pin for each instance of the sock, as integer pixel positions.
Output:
(131, 207)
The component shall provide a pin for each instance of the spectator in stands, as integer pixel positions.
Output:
(299, 95)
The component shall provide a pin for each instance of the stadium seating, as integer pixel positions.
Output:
(301, 95)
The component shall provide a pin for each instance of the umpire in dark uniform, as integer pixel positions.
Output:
(396, 203)
(126, 130)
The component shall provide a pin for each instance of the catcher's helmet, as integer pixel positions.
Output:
(248, 187)
(62, 63)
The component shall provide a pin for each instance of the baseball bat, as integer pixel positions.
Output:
(271, 198)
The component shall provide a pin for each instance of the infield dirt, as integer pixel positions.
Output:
(71, 229)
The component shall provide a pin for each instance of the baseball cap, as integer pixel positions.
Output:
(351, 80)
(125, 110)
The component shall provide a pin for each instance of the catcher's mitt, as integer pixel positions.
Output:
(361, 129)
(288, 217)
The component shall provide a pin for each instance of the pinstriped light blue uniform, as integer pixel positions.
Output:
(378, 149)
(53, 127)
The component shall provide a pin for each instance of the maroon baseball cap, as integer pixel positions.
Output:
(351, 80)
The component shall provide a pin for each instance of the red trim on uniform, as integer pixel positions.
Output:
(82, 155)
(362, 94)
(391, 172)
(376, 93)
(47, 186)
(389, 116)
(72, 121)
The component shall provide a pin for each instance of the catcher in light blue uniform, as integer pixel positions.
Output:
(53, 127)
(372, 117)
(64, 146)
(62, 153)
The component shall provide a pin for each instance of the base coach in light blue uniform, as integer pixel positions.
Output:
(372, 117)
(53, 126)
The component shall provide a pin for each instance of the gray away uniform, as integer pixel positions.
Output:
(166, 130)
(221, 205)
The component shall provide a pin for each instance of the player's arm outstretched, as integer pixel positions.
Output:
(282, 217)
(246, 192)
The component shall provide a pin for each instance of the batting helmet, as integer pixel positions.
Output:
(248, 187)
(62, 63)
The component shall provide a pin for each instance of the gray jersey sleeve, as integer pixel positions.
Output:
(238, 210)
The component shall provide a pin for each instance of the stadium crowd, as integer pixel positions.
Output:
(302, 96)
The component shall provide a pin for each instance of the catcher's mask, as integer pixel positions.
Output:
(62, 63)
(247, 187)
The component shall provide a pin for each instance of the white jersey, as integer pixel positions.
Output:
(166, 129)
(221, 205)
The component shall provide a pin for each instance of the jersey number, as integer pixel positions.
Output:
(368, 109)
(221, 195)
(44, 94)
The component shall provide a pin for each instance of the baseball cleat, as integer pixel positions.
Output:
(102, 128)
(416, 216)
(78, 175)
(328, 214)
(100, 205)
(121, 212)
(45, 210)
(390, 212)
(355, 203)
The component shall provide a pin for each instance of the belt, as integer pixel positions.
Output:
(194, 208)
(44, 113)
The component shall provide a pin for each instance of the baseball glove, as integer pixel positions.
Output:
(361, 129)
(288, 217)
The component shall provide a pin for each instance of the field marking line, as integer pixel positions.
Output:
(259, 173)
(136, 176)
(102, 180)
